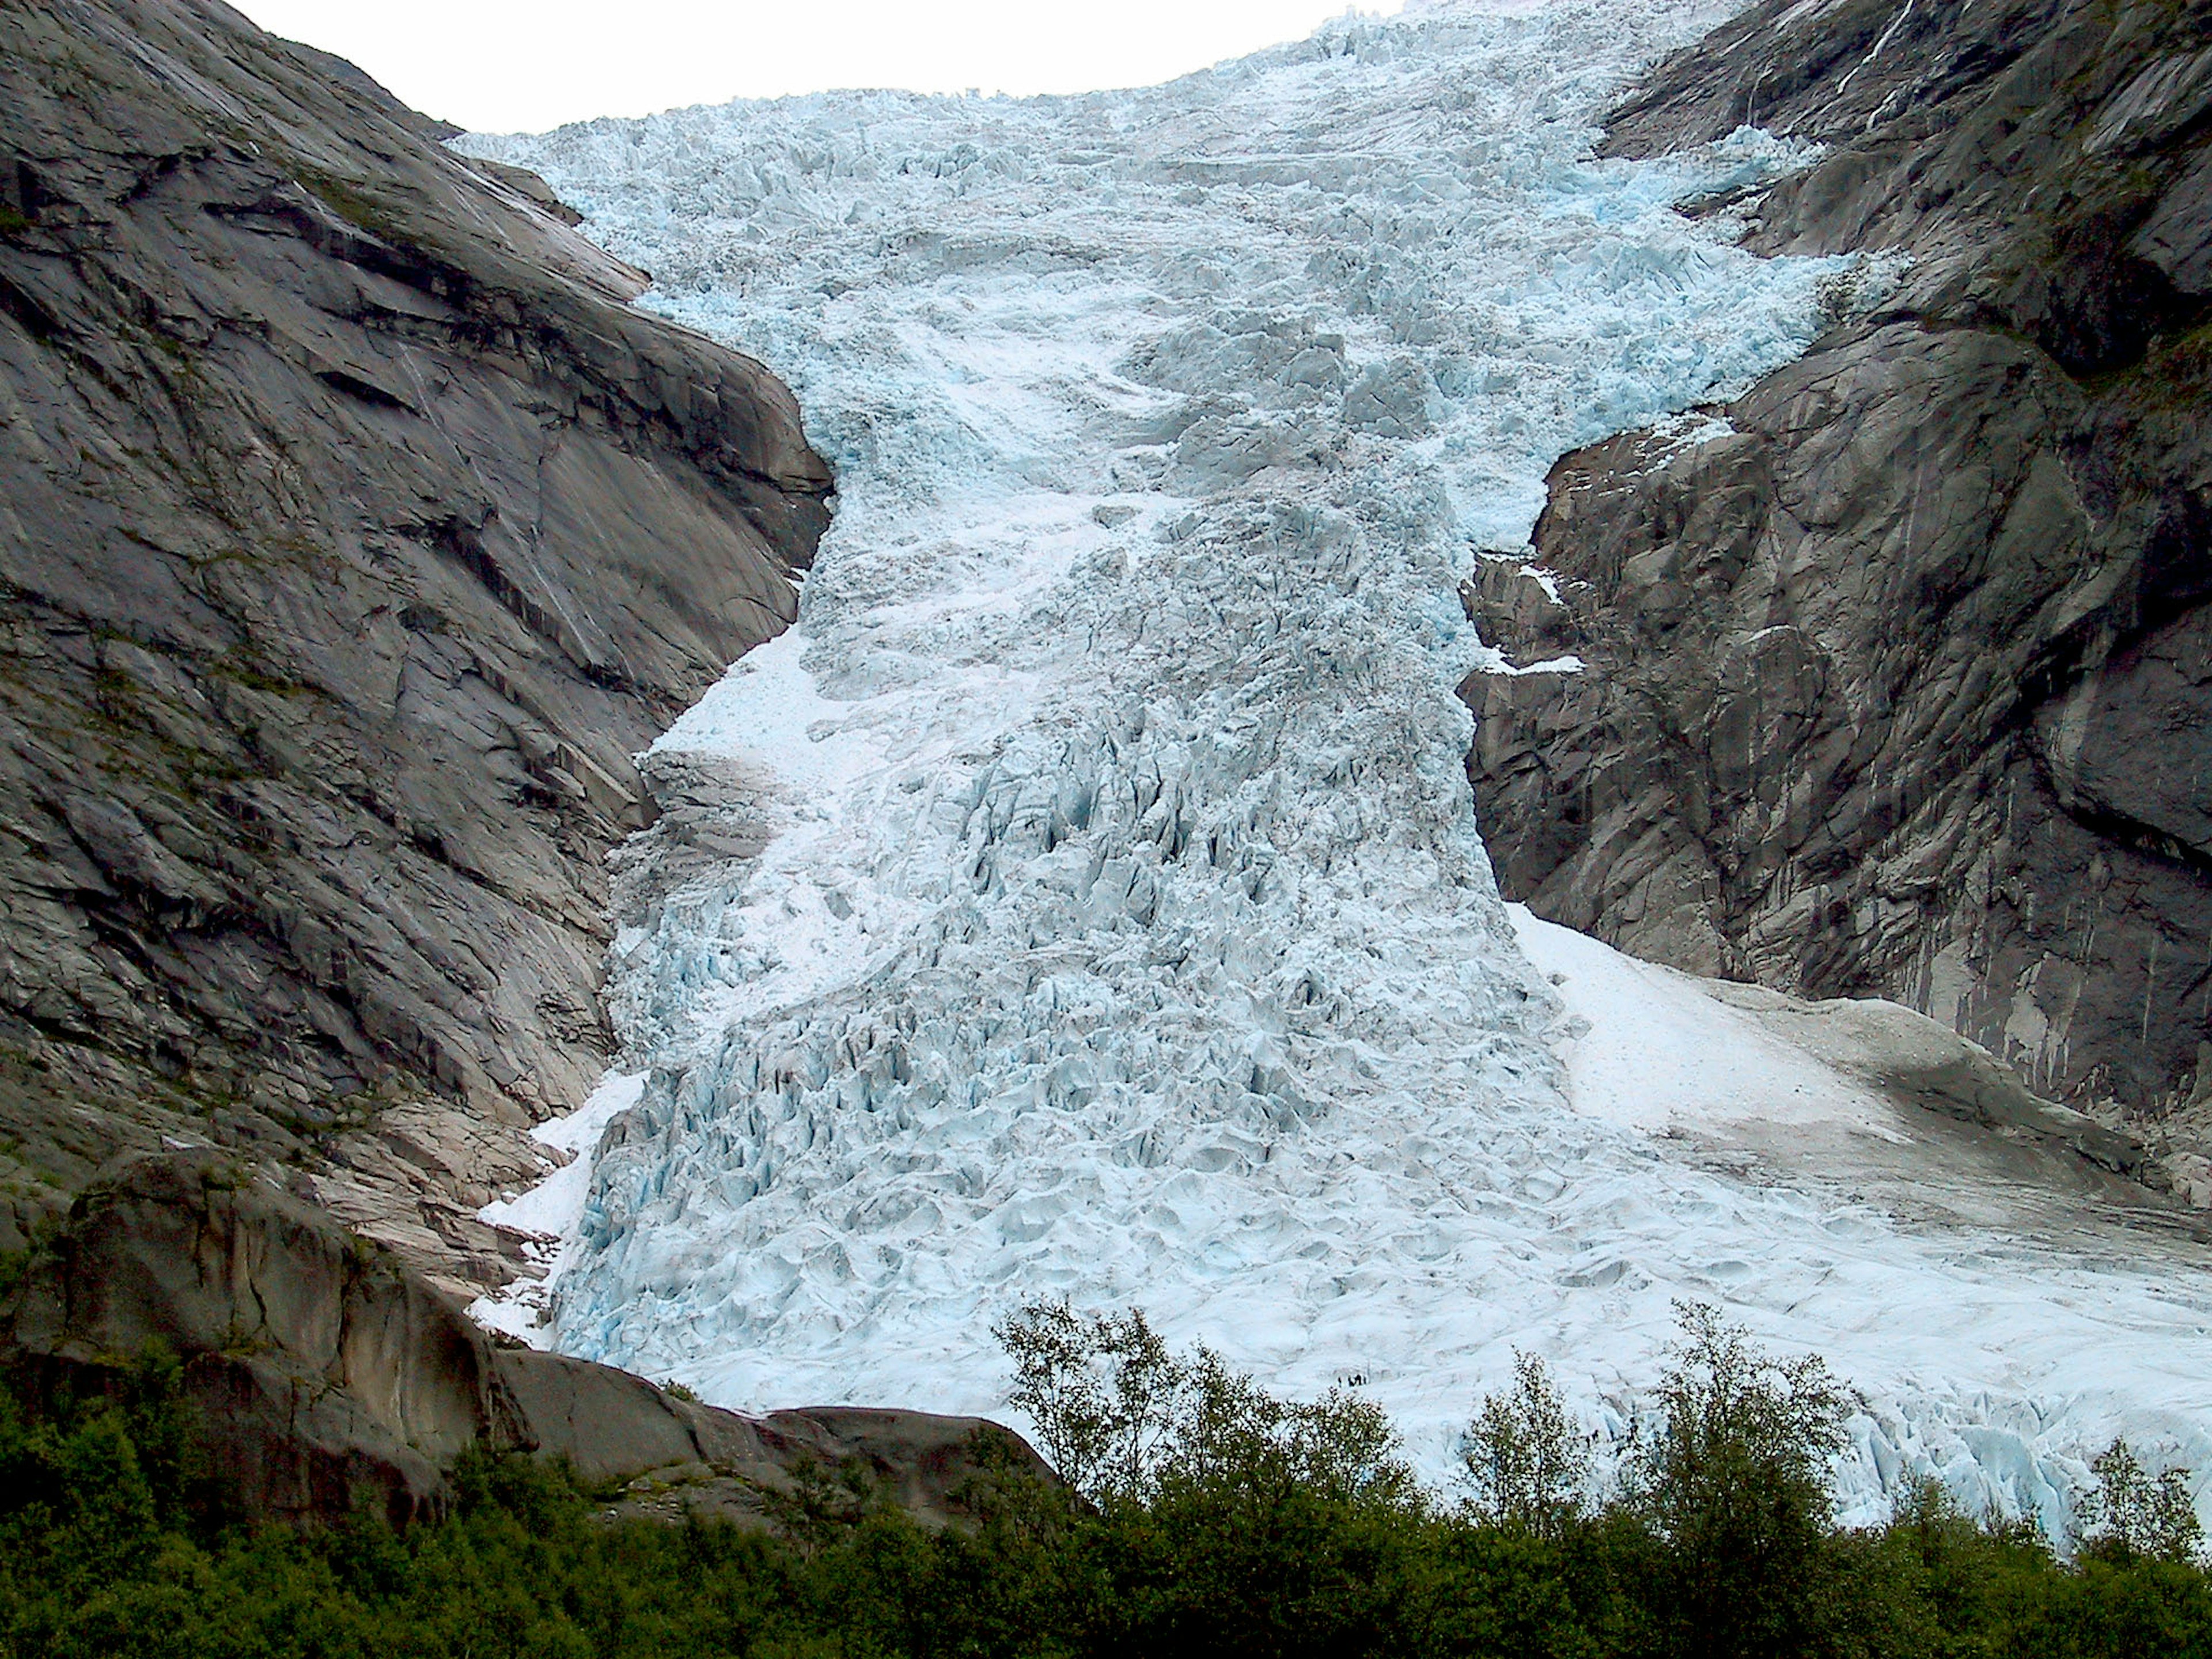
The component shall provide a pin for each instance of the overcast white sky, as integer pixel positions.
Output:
(522, 65)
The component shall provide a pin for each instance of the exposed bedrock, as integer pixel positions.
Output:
(354, 532)
(327, 1370)
(1898, 675)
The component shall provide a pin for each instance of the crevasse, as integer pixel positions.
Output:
(1085, 897)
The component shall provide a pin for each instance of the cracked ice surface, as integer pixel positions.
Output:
(1102, 910)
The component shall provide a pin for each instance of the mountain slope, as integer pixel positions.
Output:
(354, 531)
(1898, 683)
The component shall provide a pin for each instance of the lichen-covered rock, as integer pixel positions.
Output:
(354, 532)
(1896, 675)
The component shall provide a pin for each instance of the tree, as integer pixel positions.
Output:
(1102, 1392)
(1526, 1461)
(2135, 1515)
(1733, 1480)
(1122, 1420)
(1229, 1520)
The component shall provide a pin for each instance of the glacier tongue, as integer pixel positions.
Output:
(1098, 907)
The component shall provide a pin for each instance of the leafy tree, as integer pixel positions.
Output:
(1124, 1420)
(1527, 1463)
(1103, 1393)
(2133, 1514)
(1734, 1481)
(1229, 1519)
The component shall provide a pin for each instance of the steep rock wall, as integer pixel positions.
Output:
(1896, 677)
(354, 533)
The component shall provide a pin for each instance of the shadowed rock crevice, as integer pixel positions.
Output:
(1896, 673)
(354, 533)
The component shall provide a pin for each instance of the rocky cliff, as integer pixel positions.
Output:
(327, 1370)
(1899, 670)
(354, 532)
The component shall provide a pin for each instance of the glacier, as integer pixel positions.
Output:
(1085, 897)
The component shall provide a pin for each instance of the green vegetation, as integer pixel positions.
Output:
(351, 203)
(1206, 1517)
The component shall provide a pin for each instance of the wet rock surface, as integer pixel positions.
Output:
(354, 533)
(1895, 673)
(327, 1370)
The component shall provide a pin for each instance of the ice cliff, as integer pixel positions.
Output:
(1086, 896)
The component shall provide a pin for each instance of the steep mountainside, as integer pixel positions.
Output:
(354, 532)
(1897, 672)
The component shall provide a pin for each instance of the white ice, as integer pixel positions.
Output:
(1659, 1054)
(1122, 930)
(552, 1212)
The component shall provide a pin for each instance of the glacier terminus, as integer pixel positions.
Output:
(1085, 897)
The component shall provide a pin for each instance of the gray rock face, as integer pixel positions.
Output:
(1901, 688)
(326, 1369)
(354, 532)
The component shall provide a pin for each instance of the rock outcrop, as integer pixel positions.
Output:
(1898, 672)
(327, 1372)
(354, 532)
